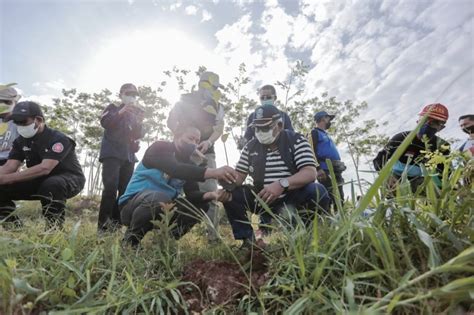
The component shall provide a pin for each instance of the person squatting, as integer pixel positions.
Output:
(289, 171)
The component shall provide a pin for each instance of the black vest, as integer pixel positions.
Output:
(257, 156)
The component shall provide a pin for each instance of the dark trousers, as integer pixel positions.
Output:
(52, 191)
(307, 200)
(139, 212)
(327, 183)
(116, 174)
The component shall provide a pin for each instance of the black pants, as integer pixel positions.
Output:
(308, 200)
(328, 184)
(115, 176)
(52, 191)
(139, 212)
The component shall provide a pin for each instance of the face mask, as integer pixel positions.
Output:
(185, 150)
(328, 125)
(27, 131)
(265, 137)
(129, 99)
(469, 130)
(267, 102)
(428, 131)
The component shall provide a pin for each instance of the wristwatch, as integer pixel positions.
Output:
(284, 183)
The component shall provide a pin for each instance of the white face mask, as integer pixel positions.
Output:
(129, 99)
(265, 137)
(27, 131)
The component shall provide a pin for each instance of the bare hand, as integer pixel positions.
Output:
(204, 146)
(224, 173)
(321, 175)
(224, 195)
(271, 192)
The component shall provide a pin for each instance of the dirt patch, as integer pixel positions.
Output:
(223, 282)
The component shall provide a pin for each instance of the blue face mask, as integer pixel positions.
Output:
(428, 131)
(268, 102)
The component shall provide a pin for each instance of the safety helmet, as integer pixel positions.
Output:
(435, 111)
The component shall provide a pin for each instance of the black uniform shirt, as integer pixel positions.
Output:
(49, 144)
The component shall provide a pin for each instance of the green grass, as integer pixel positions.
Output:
(417, 260)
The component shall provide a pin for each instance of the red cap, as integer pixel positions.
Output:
(436, 111)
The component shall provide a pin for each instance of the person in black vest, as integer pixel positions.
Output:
(201, 109)
(52, 175)
(122, 130)
(283, 169)
(267, 95)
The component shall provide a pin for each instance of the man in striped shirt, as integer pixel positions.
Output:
(283, 168)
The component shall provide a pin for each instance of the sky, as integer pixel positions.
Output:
(397, 55)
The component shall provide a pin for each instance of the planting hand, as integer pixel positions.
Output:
(224, 173)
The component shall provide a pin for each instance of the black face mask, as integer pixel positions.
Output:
(469, 130)
(428, 131)
(328, 125)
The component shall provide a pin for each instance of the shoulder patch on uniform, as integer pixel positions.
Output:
(58, 147)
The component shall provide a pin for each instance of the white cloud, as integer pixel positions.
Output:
(191, 10)
(176, 5)
(54, 86)
(206, 16)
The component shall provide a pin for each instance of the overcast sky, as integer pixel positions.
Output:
(396, 55)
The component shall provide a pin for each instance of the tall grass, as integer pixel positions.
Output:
(412, 255)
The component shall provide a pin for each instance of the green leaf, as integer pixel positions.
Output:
(434, 258)
(21, 285)
(224, 137)
(66, 254)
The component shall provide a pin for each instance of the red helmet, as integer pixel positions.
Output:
(436, 111)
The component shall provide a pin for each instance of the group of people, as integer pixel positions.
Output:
(289, 171)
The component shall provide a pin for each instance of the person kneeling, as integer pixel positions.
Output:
(166, 170)
(52, 175)
(283, 168)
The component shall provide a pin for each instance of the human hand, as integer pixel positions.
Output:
(204, 146)
(224, 173)
(271, 192)
(321, 175)
(218, 195)
(224, 195)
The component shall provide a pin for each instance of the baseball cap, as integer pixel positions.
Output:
(212, 78)
(8, 97)
(319, 115)
(25, 109)
(128, 87)
(265, 115)
(4, 86)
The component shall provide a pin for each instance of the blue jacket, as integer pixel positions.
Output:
(163, 169)
(121, 134)
(151, 179)
(324, 147)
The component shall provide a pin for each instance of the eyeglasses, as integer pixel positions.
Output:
(266, 97)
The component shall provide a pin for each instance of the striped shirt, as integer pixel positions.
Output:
(275, 167)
